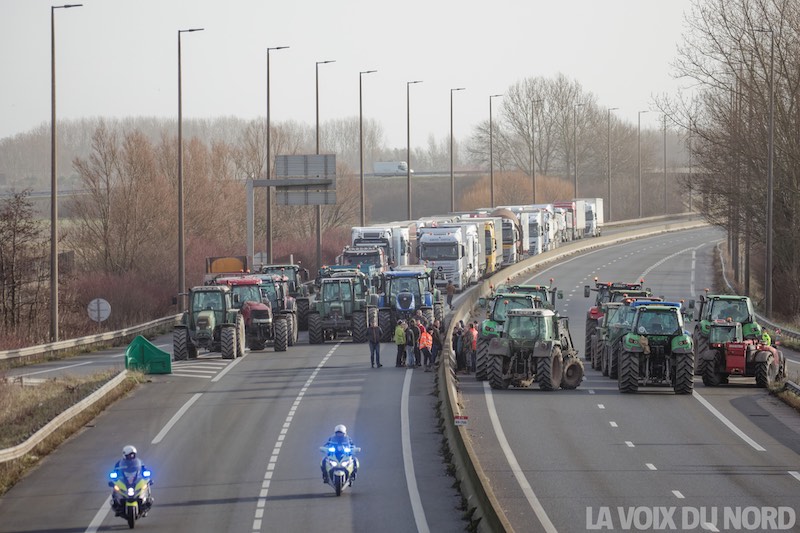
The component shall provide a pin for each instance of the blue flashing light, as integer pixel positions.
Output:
(332, 449)
(113, 475)
(146, 473)
(347, 450)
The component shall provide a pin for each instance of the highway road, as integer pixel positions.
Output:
(234, 445)
(572, 460)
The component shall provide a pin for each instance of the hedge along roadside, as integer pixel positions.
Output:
(475, 485)
(19, 450)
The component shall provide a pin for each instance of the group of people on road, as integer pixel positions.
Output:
(418, 341)
(465, 346)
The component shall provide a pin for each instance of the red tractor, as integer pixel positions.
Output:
(729, 354)
(260, 325)
(605, 290)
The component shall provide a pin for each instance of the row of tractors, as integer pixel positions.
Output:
(640, 340)
(238, 308)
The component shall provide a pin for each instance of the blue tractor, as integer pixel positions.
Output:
(405, 290)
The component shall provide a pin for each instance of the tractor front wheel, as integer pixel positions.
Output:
(281, 331)
(227, 338)
(180, 342)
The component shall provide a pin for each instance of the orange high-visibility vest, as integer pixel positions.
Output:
(425, 340)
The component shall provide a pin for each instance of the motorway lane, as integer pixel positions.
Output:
(211, 465)
(593, 447)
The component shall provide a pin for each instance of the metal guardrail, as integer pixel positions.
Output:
(91, 340)
(19, 450)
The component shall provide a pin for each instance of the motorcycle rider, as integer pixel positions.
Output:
(129, 461)
(337, 440)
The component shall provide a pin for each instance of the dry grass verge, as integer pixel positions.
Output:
(35, 406)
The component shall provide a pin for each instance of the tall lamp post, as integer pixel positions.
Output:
(269, 165)
(575, 141)
(665, 164)
(639, 159)
(181, 231)
(608, 157)
(770, 175)
(491, 152)
(54, 179)
(408, 143)
(319, 207)
(534, 103)
(452, 173)
(361, 146)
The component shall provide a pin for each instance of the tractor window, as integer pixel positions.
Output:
(208, 301)
(344, 288)
(330, 292)
(526, 327)
(722, 334)
(502, 305)
(736, 310)
(270, 291)
(247, 293)
(658, 323)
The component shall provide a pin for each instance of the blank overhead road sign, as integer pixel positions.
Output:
(309, 179)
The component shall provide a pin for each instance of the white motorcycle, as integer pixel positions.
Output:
(341, 466)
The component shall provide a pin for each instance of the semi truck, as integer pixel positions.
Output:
(594, 216)
(452, 252)
(576, 224)
(394, 241)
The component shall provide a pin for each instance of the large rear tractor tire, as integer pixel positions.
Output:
(428, 314)
(227, 342)
(684, 373)
(700, 346)
(180, 344)
(613, 362)
(595, 353)
(495, 373)
(573, 373)
(438, 312)
(605, 357)
(628, 371)
(291, 328)
(302, 314)
(549, 371)
(710, 376)
(385, 323)
(315, 329)
(359, 327)
(591, 324)
(482, 360)
(766, 372)
(281, 340)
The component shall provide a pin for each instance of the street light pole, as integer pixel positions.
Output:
(319, 207)
(181, 230)
(361, 146)
(575, 141)
(534, 103)
(54, 179)
(608, 158)
(770, 175)
(639, 159)
(665, 164)
(491, 152)
(269, 165)
(408, 143)
(452, 173)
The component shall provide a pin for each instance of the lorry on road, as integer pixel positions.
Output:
(452, 252)
(390, 168)
(492, 243)
(395, 241)
(576, 220)
(512, 236)
(594, 216)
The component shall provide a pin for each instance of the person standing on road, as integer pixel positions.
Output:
(400, 341)
(425, 345)
(450, 291)
(412, 337)
(436, 345)
(374, 335)
(472, 346)
(458, 346)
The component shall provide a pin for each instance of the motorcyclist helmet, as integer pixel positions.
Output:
(341, 428)
(129, 452)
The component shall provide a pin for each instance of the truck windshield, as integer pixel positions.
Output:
(439, 252)
(508, 233)
(363, 259)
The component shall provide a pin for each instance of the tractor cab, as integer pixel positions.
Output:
(724, 331)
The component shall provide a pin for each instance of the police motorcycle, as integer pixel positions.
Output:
(340, 464)
(131, 497)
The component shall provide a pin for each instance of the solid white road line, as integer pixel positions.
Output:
(56, 369)
(174, 420)
(227, 369)
(722, 418)
(97, 521)
(408, 458)
(795, 474)
(533, 501)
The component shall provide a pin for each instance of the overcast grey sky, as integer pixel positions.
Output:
(118, 58)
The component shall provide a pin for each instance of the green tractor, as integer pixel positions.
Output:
(498, 309)
(343, 307)
(616, 320)
(212, 322)
(297, 276)
(721, 307)
(606, 292)
(546, 293)
(657, 350)
(536, 347)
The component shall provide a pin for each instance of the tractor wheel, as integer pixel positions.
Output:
(766, 372)
(281, 331)
(684, 373)
(180, 344)
(227, 341)
(594, 355)
(628, 371)
(385, 323)
(291, 330)
(302, 314)
(700, 346)
(549, 371)
(240, 336)
(591, 324)
(710, 376)
(438, 312)
(605, 357)
(359, 327)
(573, 373)
(428, 314)
(482, 360)
(315, 329)
(495, 373)
(613, 362)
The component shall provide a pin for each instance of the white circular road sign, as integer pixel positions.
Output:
(99, 309)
